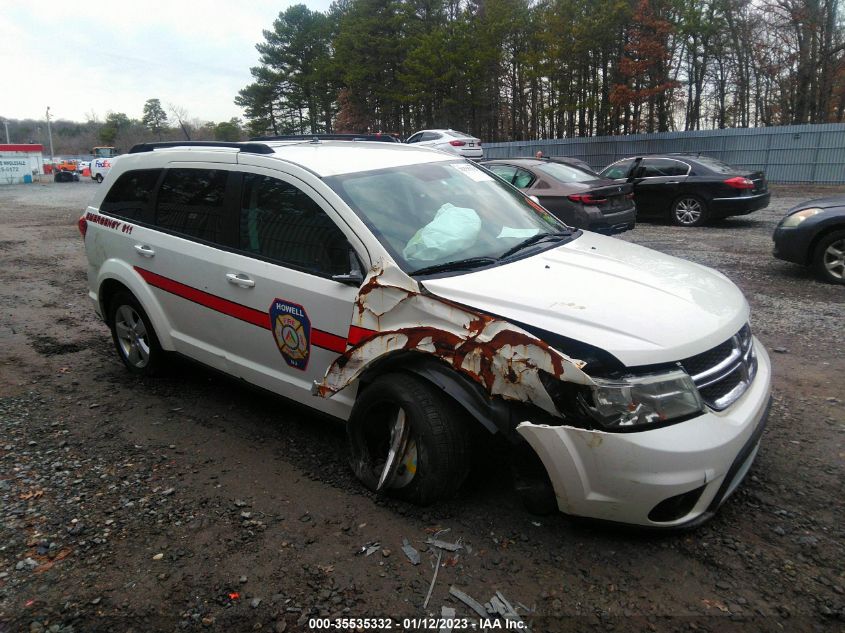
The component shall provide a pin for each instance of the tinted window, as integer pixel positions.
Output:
(716, 165)
(131, 195)
(655, 167)
(190, 202)
(568, 173)
(523, 178)
(505, 172)
(431, 136)
(281, 223)
(415, 138)
(618, 170)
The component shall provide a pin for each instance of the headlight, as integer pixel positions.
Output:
(642, 400)
(791, 221)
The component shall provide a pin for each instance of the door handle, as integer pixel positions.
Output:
(240, 279)
(144, 250)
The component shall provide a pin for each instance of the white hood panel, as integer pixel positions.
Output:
(640, 305)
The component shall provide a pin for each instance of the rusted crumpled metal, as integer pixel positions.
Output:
(504, 359)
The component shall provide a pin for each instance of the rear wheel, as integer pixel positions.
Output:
(408, 440)
(134, 338)
(689, 211)
(829, 258)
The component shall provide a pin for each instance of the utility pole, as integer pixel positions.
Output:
(6, 124)
(50, 134)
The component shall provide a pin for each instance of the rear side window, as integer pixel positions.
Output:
(505, 172)
(618, 170)
(656, 167)
(131, 196)
(283, 224)
(191, 202)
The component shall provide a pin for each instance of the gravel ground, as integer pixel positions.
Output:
(189, 502)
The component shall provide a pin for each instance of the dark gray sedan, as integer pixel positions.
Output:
(579, 197)
(813, 234)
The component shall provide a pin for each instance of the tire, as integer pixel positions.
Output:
(829, 258)
(434, 461)
(99, 178)
(133, 335)
(688, 211)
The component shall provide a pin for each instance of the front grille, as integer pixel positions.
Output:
(722, 374)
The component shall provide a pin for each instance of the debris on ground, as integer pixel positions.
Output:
(433, 578)
(369, 548)
(447, 615)
(412, 554)
(468, 601)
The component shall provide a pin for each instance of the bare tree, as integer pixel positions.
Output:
(181, 115)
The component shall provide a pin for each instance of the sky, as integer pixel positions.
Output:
(90, 58)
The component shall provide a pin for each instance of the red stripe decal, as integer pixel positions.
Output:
(358, 334)
(326, 340)
(329, 341)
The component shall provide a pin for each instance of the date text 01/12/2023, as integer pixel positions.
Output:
(415, 624)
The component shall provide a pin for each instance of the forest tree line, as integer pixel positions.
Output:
(526, 69)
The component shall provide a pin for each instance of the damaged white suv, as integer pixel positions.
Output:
(424, 301)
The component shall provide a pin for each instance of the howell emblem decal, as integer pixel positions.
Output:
(292, 331)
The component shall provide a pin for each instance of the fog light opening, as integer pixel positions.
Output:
(676, 507)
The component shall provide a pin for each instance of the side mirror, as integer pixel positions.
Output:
(352, 278)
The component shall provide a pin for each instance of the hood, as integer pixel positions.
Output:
(640, 305)
(821, 203)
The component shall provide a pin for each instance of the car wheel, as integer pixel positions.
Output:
(408, 440)
(829, 258)
(133, 335)
(689, 211)
(99, 177)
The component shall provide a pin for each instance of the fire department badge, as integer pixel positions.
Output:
(292, 331)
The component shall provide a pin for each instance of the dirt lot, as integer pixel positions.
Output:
(190, 502)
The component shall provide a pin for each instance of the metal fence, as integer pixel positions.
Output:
(788, 154)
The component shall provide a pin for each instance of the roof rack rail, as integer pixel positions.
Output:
(369, 136)
(252, 148)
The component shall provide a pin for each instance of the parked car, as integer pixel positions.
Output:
(65, 176)
(813, 234)
(690, 190)
(579, 197)
(424, 302)
(450, 141)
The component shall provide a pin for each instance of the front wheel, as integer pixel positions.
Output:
(99, 178)
(689, 211)
(829, 258)
(133, 335)
(408, 439)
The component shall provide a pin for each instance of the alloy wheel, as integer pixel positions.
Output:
(132, 336)
(834, 259)
(688, 211)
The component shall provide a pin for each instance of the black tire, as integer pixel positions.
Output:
(436, 461)
(829, 258)
(133, 335)
(99, 178)
(688, 210)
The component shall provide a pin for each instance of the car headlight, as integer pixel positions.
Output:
(635, 401)
(791, 221)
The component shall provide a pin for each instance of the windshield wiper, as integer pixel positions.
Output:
(458, 264)
(534, 239)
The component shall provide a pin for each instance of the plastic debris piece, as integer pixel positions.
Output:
(507, 611)
(412, 554)
(449, 547)
(433, 579)
(447, 614)
(468, 601)
(369, 548)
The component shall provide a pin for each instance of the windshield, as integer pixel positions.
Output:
(434, 213)
(566, 173)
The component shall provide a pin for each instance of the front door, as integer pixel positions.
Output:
(295, 318)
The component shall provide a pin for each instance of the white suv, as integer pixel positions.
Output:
(421, 300)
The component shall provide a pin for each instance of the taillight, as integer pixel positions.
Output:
(586, 198)
(83, 226)
(739, 182)
(479, 143)
(457, 143)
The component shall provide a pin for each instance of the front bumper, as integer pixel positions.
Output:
(623, 477)
(792, 244)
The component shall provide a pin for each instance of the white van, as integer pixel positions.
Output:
(423, 301)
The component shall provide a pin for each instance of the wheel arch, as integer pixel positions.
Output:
(494, 415)
(116, 277)
(817, 238)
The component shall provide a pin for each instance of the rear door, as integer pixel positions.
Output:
(657, 183)
(289, 318)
